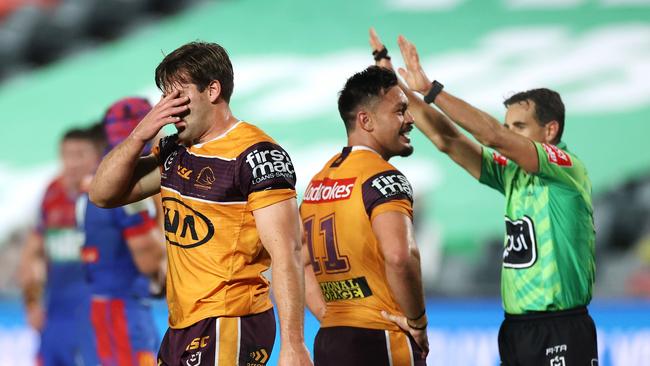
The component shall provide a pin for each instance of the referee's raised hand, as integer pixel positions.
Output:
(414, 75)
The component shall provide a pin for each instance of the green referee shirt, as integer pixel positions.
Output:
(548, 257)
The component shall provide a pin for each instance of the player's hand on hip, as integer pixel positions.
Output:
(414, 75)
(294, 355)
(165, 112)
(419, 335)
(377, 45)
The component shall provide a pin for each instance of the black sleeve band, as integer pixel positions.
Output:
(436, 88)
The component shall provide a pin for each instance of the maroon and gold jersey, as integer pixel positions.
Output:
(209, 192)
(337, 211)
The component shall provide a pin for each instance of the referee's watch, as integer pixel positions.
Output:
(436, 88)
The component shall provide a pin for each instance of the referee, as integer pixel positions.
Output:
(548, 259)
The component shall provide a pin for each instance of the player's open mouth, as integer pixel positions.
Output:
(405, 133)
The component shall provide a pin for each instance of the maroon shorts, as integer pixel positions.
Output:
(223, 341)
(349, 346)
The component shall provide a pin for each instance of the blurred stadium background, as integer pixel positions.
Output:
(63, 61)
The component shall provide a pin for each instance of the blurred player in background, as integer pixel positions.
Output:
(548, 260)
(357, 215)
(55, 292)
(123, 253)
(230, 208)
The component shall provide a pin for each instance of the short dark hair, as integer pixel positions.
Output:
(363, 88)
(548, 106)
(199, 63)
(75, 133)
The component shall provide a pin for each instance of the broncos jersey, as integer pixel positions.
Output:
(209, 192)
(337, 211)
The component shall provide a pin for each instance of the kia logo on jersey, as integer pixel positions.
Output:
(329, 190)
(520, 248)
(184, 226)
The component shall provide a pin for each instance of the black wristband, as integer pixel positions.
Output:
(417, 328)
(379, 54)
(424, 311)
(436, 88)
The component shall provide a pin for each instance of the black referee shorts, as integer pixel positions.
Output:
(554, 338)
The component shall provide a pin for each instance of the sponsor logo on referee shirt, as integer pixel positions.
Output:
(268, 164)
(499, 159)
(557, 156)
(329, 190)
(520, 248)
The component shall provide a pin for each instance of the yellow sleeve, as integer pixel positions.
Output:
(403, 206)
(261, 199)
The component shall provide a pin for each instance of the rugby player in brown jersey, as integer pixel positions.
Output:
(362, 265)
(230, 209)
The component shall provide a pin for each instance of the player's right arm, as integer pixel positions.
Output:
(394, 231)
(123, 176)
(32, 277)
(436, 126)
(313, 295)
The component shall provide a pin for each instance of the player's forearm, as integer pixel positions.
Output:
(289, 294)
(313, 295)
(481, 125)
(405, 281)
(113, 180)
(433, 124)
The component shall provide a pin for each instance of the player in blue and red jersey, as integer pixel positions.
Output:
(57, 300)
(123, 251)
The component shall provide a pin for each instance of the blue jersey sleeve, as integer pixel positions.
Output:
(135, 218)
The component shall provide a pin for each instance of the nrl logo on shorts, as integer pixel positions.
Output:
(194, 360)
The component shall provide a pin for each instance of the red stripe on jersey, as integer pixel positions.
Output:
(124, 353)
(147, 224)
(99, 318)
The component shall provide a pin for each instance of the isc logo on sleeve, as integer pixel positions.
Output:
(328, 190)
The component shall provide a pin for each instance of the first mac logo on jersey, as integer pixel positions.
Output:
(269, 163)
(390, 185)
